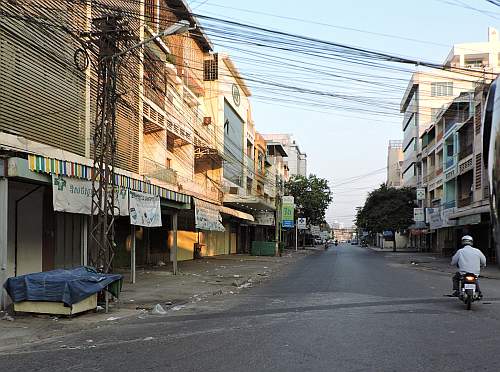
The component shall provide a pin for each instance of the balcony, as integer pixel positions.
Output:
(155, 170)
(449, 204)
(464, 202)
(450, 162)
(466, 151)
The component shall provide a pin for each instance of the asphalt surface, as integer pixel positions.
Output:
(344, 309)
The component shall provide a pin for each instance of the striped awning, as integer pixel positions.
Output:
(37, 163)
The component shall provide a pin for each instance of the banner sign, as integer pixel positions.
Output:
(287, 211)
(207, 216)
(434, 218)
(144, 209)
(264, 218)
(74, 195)
(315, 230)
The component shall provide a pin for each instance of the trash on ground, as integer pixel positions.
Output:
(111, 318)
(89, 341)
(161, 263)
(148, 338)
(245, 285)
(8, 318)
(99, 308)
(158, 310)
(236, 276)
(219, 292)
(178, 307)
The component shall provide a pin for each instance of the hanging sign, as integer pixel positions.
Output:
(420, 193)
(265, 218)
(418, 215)
(144, 209)
(74, 195)
(207, 216)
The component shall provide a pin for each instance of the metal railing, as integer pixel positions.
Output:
(449, 204)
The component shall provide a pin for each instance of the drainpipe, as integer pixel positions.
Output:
(16, 223)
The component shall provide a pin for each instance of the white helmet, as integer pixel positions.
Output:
(467, 240)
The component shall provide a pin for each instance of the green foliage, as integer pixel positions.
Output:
(312, 196)
(387, 208)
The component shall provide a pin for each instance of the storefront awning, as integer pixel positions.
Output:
(51, 166)
(236, 213)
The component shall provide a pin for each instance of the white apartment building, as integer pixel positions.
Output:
(296, 160)
(429, 91)
(395, 163)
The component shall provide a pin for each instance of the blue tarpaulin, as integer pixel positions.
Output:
(67, 286)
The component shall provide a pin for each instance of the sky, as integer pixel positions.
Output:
(344, 145)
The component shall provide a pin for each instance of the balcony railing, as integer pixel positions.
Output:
(161, 173)
(466, 151)
(463, 202)
(449, 204)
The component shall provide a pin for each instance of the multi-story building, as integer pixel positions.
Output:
(296, 160)
(429, 91)
(395, 163)
(454, 175)
(184, 133)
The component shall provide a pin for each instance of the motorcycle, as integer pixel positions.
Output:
(468, 289)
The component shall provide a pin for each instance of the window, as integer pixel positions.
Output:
(441, 89)
(473, 63)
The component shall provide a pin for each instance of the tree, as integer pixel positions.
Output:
(312, 196)
(387, 208)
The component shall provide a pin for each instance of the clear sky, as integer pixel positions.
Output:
(341, 145)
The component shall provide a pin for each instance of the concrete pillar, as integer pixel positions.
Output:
(4, 204)
(173, 252)
(132, 254)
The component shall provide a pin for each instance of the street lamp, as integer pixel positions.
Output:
(176, 28)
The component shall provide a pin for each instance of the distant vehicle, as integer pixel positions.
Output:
(354, 242)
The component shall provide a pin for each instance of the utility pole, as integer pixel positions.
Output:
(110, 31)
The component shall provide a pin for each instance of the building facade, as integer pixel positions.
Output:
(296, 161)
(429, 91)
(395, 163)
(184, 134)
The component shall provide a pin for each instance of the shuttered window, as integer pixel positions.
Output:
(479, 173)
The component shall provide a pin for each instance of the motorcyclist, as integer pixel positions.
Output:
(468, 260)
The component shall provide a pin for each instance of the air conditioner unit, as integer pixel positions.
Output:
(233, 190)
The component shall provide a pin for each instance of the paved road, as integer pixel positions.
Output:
(345, 309)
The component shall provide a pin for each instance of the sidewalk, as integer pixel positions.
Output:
(198, 283)
(434, 262)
